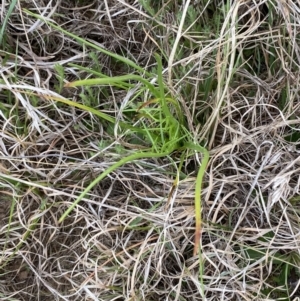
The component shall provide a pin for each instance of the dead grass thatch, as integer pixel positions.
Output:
(236, 76)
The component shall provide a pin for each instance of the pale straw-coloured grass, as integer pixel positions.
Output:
(234, 71)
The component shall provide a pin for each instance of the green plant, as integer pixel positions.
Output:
(164, 132)
(5, 21)
(162, 126)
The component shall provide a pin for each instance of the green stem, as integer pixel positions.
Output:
(198, 190)
(198, 207)
(110, 169)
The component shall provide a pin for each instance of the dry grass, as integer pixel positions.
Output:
(234, 69)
